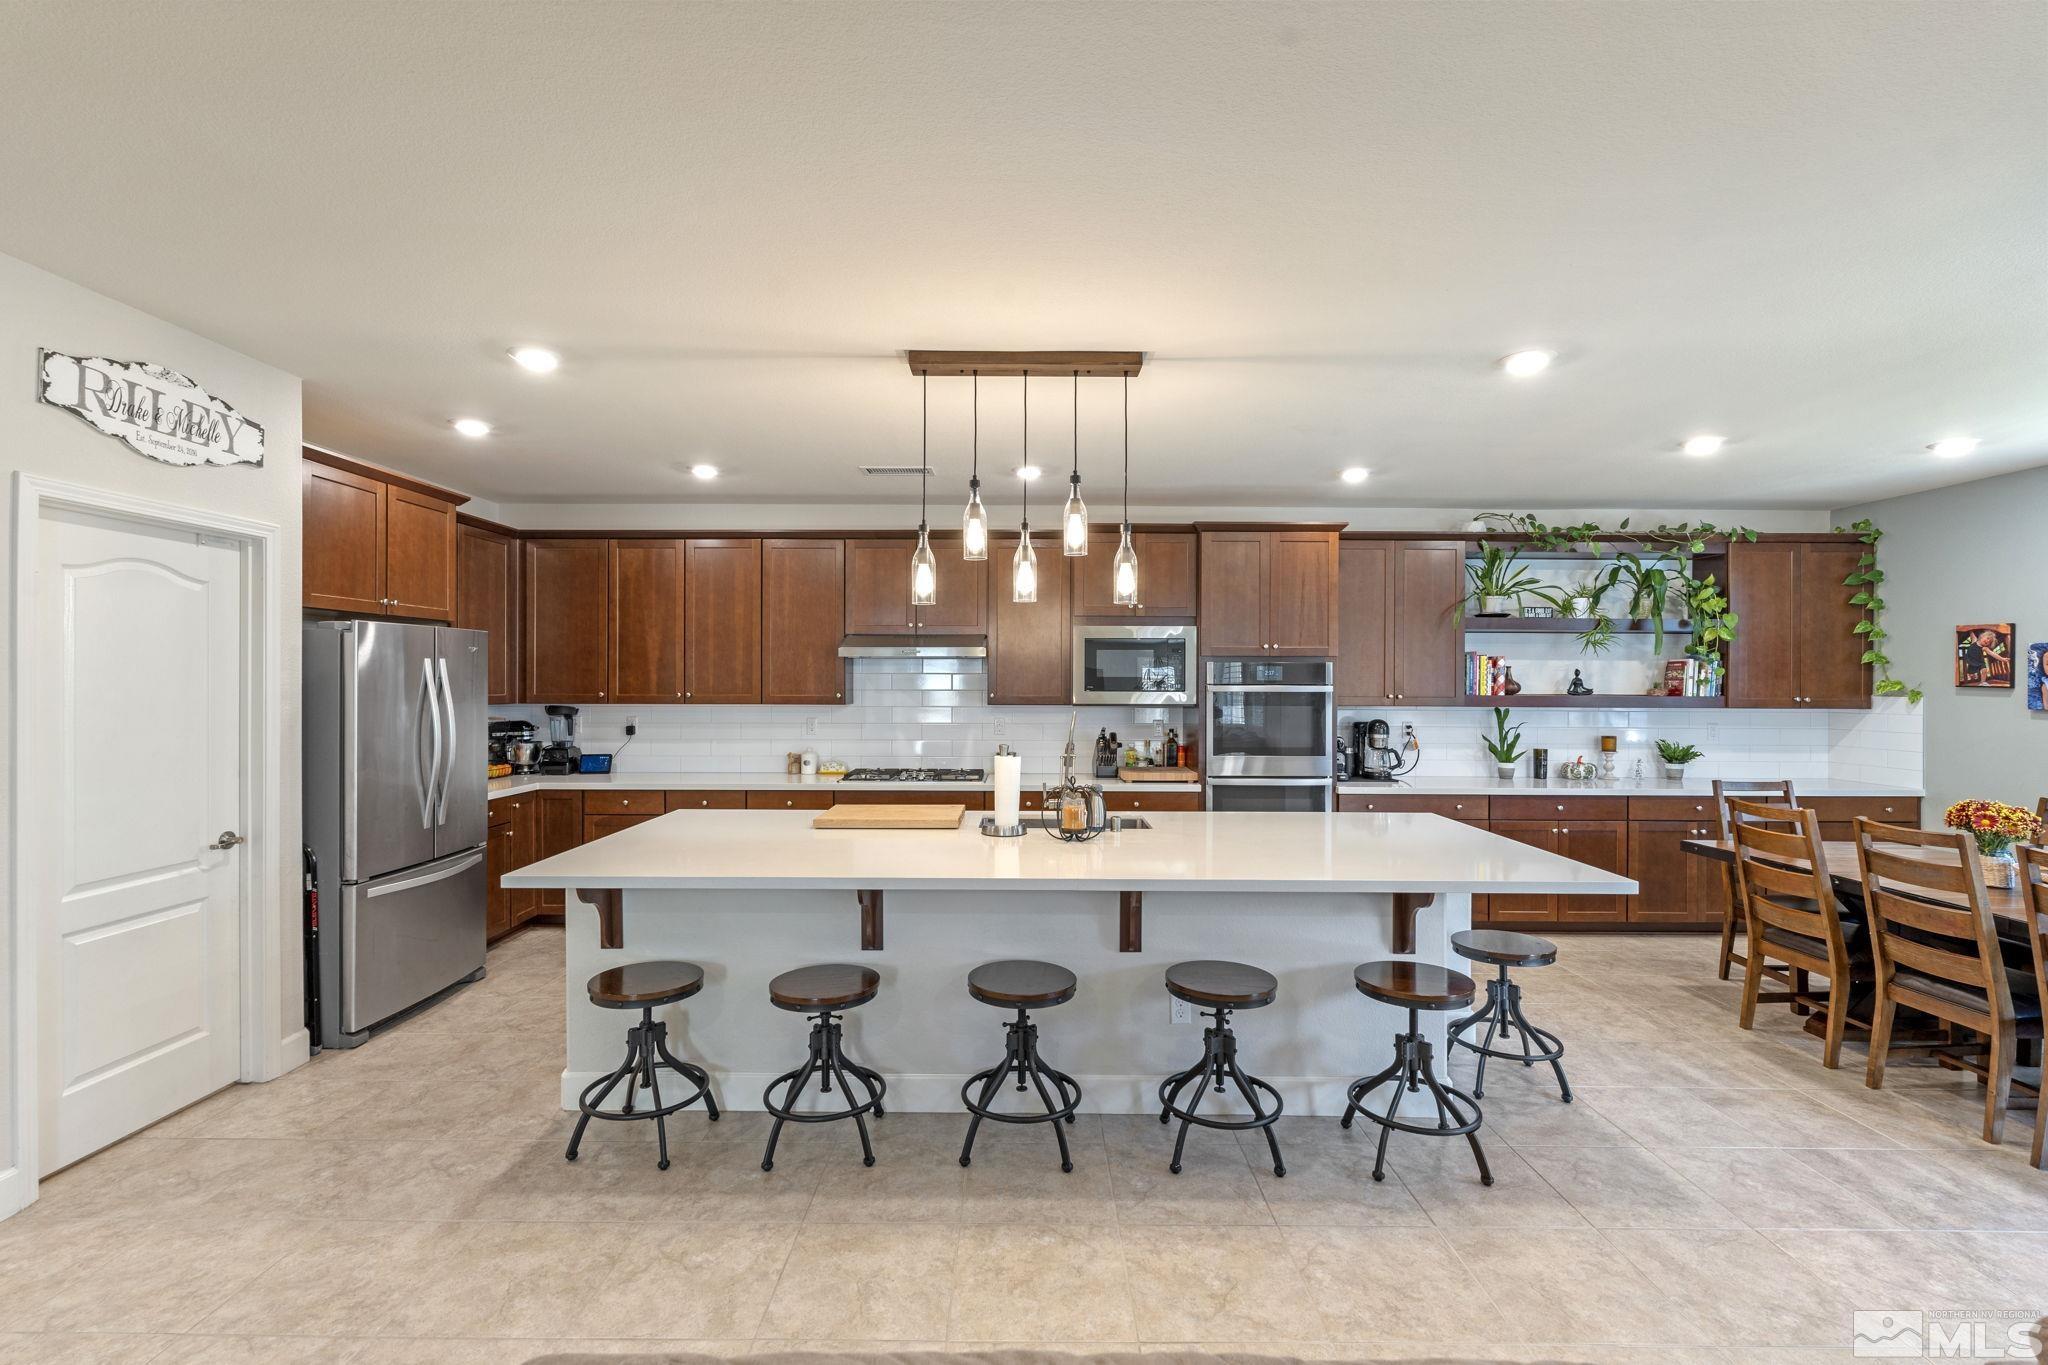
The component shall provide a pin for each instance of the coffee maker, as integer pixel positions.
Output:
(514, 743)
(1373, 758)
(560, 754)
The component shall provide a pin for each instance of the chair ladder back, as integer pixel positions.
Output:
(1781, 875)
(1908, 898)
(1777, 793)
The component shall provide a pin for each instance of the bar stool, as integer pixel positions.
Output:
(1217, 988)
(1503, 1008)
(643, 986)
(1416, 986)
(1024, 986)
(823, 992)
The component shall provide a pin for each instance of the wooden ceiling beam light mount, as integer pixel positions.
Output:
(1086, 364)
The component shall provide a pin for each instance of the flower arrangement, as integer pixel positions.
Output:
(1994, 825)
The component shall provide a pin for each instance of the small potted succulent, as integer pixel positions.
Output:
(1675, 757)
(1505, 744)
(1996, 827)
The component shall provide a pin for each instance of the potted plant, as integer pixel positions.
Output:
(1505, 744)
(1498, 580)
(1648, 584)
(1996, 827)
(1675, 757)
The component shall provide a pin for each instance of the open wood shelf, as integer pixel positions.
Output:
(1567, 625)
(1599, 701)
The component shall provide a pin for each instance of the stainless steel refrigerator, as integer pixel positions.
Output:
(395, 813)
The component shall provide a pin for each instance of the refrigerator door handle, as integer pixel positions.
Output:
(426, 878)
(432, 781)
(447, 768)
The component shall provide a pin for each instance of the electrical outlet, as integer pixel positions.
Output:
(810, 726)
(1180, 1012)
(1000, 728)
(1713, 733)
(632, 724)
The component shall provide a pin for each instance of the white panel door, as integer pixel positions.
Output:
(135, 744)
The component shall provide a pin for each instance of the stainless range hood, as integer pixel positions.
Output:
(914, 647)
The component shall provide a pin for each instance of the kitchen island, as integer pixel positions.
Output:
(748, 894)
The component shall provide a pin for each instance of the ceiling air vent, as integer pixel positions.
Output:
(896, 471)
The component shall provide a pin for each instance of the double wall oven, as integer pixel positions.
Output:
(1270, 727)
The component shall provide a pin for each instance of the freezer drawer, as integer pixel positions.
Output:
(409, 934)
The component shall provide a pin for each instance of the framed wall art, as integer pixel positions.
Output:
(2037, 677)
(1984, 655)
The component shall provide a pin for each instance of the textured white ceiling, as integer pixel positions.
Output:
(1814, 227)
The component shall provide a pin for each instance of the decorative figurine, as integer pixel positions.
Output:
(1578, 686)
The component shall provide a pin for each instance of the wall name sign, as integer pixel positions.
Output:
(153, 410)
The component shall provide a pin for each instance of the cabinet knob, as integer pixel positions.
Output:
(1560, 807)
(837, 695)
(600, 694)
(686, 694)
(789, 803)
(1398, 696)
(1699, 807)
(1564, 831)
(1460, 805)
(705, 802)
(1887, 810)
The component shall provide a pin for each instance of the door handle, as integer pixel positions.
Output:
(432, 779)
(448, 769)
(428, 879)
(228, 839)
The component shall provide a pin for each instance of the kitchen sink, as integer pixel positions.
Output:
(1124, 822)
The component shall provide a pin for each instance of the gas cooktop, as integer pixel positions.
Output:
(916, 775)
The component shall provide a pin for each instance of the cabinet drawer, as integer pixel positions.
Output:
(1892, 810)
(1564, 805)
(803, 800)
(597, 826)
(702, 800)
(623, 803)
(1693, 809)
(1451, 807)
(1152, 800)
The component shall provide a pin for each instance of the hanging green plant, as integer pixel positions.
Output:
(1867, 580)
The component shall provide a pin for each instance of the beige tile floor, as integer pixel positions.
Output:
(1712, 1196)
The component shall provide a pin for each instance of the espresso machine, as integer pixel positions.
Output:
(515, 744)
(560, 754)
(1373, 758)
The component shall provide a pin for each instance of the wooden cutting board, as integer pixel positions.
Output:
(889, 817)
(1159, 774)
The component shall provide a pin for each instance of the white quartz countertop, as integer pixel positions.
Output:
(1186, 852)
(757, 782)
(1492, 786)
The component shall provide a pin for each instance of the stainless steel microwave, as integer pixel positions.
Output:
(1134, 665)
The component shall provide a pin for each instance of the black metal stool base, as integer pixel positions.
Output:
(646, 1053)
(1413, 1069)
(1503, 1012)
(1218, 1064)
(1020, 1056)
(828, 1060)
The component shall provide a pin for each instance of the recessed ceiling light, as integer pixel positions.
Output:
(538, 359)
(1028, 472)
(1950, 447)
(1522, 364)
(703, 471)
(1355, 474)
(472, 427)
(1704, 445)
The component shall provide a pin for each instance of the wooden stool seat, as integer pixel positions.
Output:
(1504, 948)
(1232, 985)
(1022, 984)
(640, 984)
(827, 986)
(1414, 985)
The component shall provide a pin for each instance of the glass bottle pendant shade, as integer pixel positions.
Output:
(924, 571)
(974, 525)
(1074, 522)
(1024, 569)
(1124, 571)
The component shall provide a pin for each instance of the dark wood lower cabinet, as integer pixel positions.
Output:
(559, 829)
(510, 844)
(1602, 844)
(1677, 887)
(1524, 909)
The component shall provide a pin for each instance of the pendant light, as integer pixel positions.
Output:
(1124, 568)
(1024, 566)
(1074, 520)
(924, 569)
(974, 522)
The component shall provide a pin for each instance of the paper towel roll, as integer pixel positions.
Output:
(1008, 777)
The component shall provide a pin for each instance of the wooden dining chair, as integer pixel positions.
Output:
(1777, 793)
(2034, 883)
(1781, 875)
(1936, 950)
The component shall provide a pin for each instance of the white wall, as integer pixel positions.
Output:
(1956, 556)
(36, 310)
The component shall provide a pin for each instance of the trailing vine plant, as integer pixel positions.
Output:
(1868, 579)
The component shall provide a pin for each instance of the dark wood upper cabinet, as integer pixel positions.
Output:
(1365, 631)
(1795, 634)
(487, 599)
(419, 554)
(646, 620)
(1426, 651)
(344, 540)
(803, 590)
(1029, 643)
(722, 621)
(1269, 592)
(961, 607)
(565, 599)
(1166, 576)
(878, 587)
